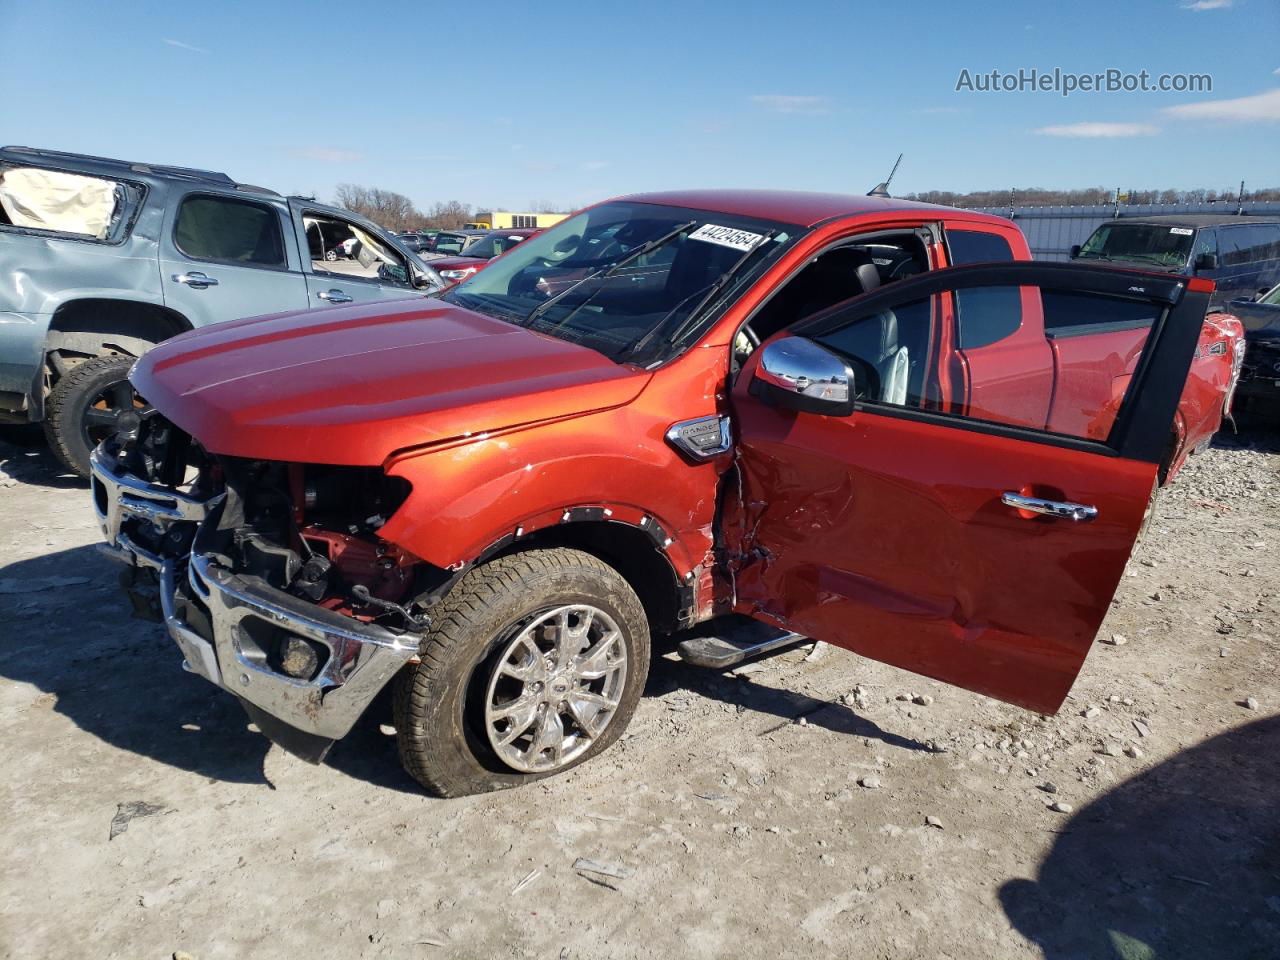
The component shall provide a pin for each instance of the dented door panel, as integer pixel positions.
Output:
(889, 531)
(888, 536)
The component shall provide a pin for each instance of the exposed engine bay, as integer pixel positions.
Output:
(308, 530)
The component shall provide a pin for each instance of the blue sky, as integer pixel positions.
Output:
(504, 103)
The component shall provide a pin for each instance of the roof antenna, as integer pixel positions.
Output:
(882, 189)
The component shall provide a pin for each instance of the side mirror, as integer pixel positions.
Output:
(425, 278)
(1075, 250)
(797, 374)
(1206, 261)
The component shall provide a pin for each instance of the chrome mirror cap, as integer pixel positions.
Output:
(799, 374)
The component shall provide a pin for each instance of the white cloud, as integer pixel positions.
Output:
(932, 111)
(183, 46)
(1199, 6)
(1276, 71)
(591, 165)
(1099, 130)
(1259, 108)
(328, 155)
(784, 103)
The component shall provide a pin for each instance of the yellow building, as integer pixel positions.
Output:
(507, 220)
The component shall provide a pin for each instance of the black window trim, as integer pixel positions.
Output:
(1153, 393)
(252, 265)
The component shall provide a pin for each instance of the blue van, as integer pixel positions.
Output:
(1241, 254)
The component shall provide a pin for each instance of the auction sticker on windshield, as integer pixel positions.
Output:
(726, 236)
(1182, 231)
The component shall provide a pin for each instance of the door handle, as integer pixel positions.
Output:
(195, 280)
(334, 296)
(1050, 508)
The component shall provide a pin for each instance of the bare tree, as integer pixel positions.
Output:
(447, 215)
(547, 206)
(389, 209)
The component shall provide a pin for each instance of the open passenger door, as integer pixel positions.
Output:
(886, 510)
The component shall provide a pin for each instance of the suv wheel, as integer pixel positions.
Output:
(534, 664)
(89, 404)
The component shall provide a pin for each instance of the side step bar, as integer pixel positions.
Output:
(728, 641)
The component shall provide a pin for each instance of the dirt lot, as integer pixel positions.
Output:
(775, 813)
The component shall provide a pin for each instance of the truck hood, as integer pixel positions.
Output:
(351, 385)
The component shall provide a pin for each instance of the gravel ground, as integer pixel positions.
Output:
(805, 806)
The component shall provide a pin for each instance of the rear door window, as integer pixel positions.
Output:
(69, 204)
(229, 230)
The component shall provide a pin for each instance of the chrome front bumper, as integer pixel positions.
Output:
(360, 657)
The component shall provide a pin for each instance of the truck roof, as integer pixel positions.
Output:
(795, 206)
(105, 166)
(1196, 220)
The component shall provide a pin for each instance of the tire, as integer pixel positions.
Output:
(445, 740)
(71, 437)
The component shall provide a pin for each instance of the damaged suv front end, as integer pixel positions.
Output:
(270, 577)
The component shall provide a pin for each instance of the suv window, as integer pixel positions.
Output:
(53, 201)
(1250, 244)
(347, 249)
(1206, 242)
(988, 314)
(229, 230)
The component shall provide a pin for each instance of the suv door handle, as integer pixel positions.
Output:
(195, 280)
(1050, 508)
(334, 296)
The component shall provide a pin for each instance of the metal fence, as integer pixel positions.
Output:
(1051, 231)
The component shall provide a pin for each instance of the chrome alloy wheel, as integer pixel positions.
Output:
(555, 688)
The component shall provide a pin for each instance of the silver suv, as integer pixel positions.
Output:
(102, 259)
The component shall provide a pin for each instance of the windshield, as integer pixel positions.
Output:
(488, 247)
(1145, 242)
(451, 244)
(631, 280)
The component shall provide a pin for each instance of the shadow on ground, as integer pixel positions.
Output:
(120, 679)
(787, 706)
(25, 455)
(1180, 863)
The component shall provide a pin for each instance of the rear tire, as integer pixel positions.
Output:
(68, 421)
(443, 728)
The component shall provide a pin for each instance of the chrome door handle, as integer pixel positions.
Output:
(1050, 508)
(195, 280)
(334, 296)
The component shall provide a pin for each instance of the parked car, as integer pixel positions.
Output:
(1260, 379)
(1240, 254)
(414, 242)
(451, 243)
(102, 259)
(479, 252)
(736, 429)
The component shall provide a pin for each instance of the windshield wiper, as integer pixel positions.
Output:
(1147, 258)
(711, 290)
(603, 274)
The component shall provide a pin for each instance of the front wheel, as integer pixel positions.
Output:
(90, 403)
(534, 664)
